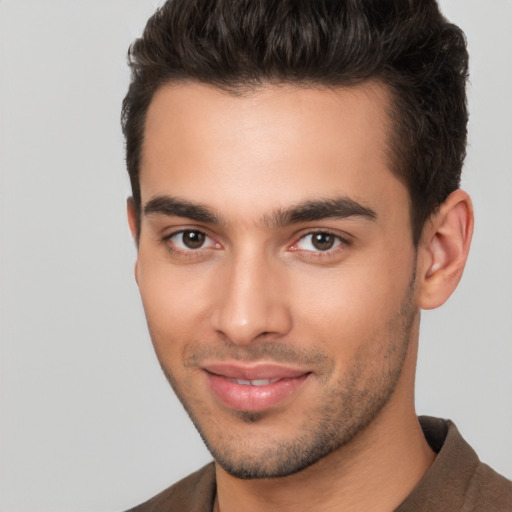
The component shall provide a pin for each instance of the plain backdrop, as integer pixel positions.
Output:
(87, 421)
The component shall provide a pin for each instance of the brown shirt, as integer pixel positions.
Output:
(456, 481)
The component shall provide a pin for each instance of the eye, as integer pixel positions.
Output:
(320, 241)
(190, 240)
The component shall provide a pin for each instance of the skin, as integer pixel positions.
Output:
(254, 288)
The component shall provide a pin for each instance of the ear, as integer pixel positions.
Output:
(132, 218)
(443, 250)
(133, 222)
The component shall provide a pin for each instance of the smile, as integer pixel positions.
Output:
(256, 388)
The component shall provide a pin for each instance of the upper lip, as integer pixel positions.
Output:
(254, 372)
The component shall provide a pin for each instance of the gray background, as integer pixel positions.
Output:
(87, 422)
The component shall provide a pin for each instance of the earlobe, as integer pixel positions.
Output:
(444, 250)
(136, 272)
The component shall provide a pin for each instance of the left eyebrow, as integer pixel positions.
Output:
(339, 208)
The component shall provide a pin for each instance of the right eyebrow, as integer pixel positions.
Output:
(175, 207)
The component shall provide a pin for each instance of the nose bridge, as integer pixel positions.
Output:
(252, 298)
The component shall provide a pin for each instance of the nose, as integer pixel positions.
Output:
(252, 301)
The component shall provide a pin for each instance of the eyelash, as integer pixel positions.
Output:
(339, 241)
(187, 252)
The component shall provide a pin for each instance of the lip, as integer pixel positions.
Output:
(283, 382)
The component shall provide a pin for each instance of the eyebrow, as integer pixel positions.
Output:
(340, 208)
(336, 208)
(175, 207)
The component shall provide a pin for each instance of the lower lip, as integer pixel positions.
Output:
(243, 397)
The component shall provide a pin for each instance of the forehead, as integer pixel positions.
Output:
(273, 147)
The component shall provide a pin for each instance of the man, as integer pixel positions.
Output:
(295, 170)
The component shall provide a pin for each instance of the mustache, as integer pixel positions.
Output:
(200, 352)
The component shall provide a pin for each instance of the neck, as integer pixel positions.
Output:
(376, 471)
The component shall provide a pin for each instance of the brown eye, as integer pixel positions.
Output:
(189, 242)
(193, 239)
(318, 242)
(323, 241)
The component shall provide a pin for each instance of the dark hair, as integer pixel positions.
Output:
(238, 45)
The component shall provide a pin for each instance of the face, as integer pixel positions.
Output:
(276, 267)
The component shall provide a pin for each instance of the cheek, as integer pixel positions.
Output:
(346, 306)
(174, 303)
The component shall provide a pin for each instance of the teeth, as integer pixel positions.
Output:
(262, 382)
(255, 382)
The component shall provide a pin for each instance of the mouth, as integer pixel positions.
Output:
(254, 388)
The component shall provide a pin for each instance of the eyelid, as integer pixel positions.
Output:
(343, 241)
(172, 246)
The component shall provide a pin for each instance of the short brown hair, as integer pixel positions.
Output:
(239, 45)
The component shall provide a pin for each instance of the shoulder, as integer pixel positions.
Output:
(457, 479)
(195, 493)
(487, 490)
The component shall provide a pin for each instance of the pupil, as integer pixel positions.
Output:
(323, 241)
(193, 239)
